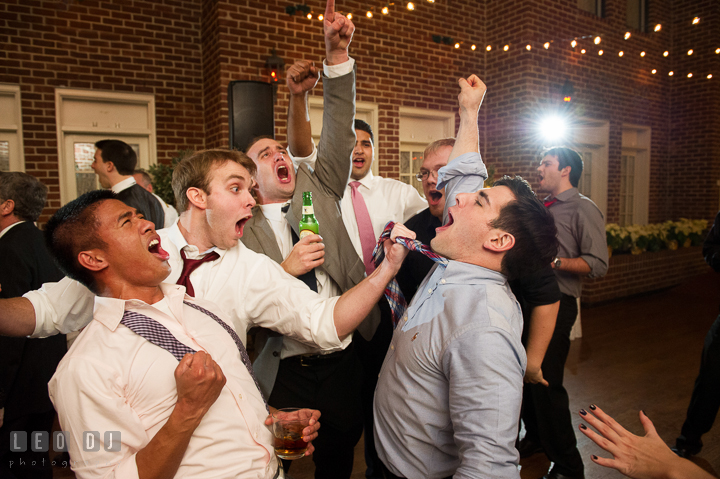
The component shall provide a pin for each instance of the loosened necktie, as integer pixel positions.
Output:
(394, 295)
(160, 336)
(365, 227)
(549, 203)
(190, 265)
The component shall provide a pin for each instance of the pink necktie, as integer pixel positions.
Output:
(367, 236)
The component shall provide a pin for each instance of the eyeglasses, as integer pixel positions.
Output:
(424, 174)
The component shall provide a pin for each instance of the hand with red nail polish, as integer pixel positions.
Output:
(646, 457)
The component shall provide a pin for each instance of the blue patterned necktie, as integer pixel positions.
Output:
(398, 305)
(160, 336)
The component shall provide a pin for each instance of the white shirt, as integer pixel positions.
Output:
(326, 287)
(250, 288)
(386, 200)
(114, 380)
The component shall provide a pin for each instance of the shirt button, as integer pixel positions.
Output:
(430, 291)
(392, 347)
(319, 273)
(442, 281)
(240, 396)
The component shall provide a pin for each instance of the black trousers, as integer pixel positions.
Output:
(546, 412)
(332, 385)
(372, 354)
(705, 400)
(389, 475)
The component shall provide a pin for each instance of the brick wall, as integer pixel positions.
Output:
(186, 52)
(140, 47)
(629, 275)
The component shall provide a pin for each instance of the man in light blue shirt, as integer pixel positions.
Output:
(448, 397)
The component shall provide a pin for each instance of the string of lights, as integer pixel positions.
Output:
(582, 44)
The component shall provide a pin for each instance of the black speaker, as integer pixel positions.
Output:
(250, 105)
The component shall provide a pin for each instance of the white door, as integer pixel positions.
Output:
(11, 152)
(76, 175)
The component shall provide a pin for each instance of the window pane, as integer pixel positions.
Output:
(4, 156)
(585, 183)
(85, 179)
(592, 6)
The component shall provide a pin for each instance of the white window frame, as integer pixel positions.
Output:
(62, 95)
(637, 139)
(417, 139)
(11, 127)
(594, 134)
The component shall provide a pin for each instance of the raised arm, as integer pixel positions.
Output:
(465, 172)
(302, 77)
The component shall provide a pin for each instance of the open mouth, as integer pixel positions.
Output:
(434, 197)
(283, 174)
(358, 162)
(446, 225)
(156, 250)
(240, 226)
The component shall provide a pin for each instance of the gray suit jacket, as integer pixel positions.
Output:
(327, 182)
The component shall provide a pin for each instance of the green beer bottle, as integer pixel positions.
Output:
(308, 223)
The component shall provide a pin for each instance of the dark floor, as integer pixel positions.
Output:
(641, 353)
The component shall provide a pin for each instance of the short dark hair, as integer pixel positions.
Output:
(27, 193)
(145, 176)
(531, 224)
(568, 157)
(119, 153)
(72, 229)
(194, 172)
(364, 126)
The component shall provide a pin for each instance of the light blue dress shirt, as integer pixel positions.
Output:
(448, 398)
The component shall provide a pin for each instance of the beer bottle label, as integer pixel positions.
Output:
(304, 233)
(307, 210)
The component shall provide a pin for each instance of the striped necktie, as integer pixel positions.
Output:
(160, 336)
(398, 305)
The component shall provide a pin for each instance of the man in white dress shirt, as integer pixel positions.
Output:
(144, 179)
(154, 417)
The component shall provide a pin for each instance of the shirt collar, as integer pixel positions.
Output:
(273, 211)
(9, 227)
(191, 251)
(109, 311)
(567, 194)
(457, 272)
(123, 185)
(366, 181)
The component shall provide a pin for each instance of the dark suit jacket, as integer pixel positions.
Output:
(142, 200)
(327, 183)
(26, 365)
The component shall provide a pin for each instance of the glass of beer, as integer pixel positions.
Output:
(288, 425)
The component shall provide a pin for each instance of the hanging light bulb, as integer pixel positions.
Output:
(546, 45)
(309, 16)
(666, 53)
(411, 6)
(597, 40)
(431, 1)
(671, 73)
(369, 14)
(690, 52)
(658, 27)
(528, 47)
(488, 48)
(600, 52)
(472, 47)
(621, 53)
(582, 51)
(573, 43)
(709, 76)
(627, 35)
(717, 50)
(320, 17)
(654, 71)
(696, 20)
(642, 54)
(349, 15)
(457, 45)
(506, 47)
(689, 75)
(385, 10)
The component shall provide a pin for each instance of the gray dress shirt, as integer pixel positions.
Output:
(581, 234)
(448, 398)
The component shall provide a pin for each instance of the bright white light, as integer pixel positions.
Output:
(547, 45)
(627, 35)
(553, 128)
(696, 20)
(473, 47)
